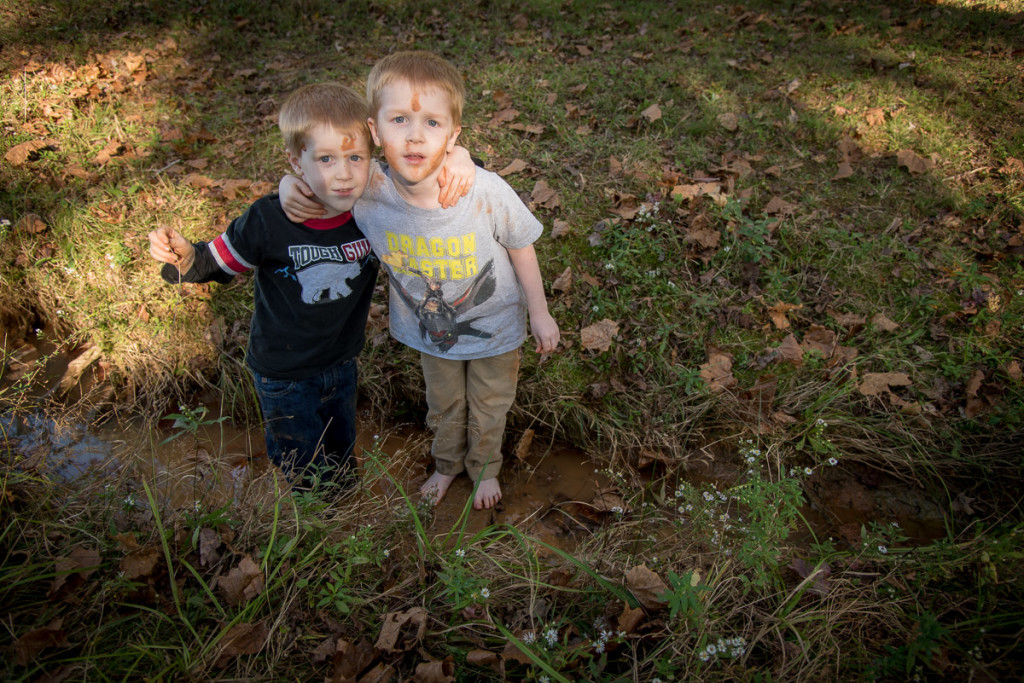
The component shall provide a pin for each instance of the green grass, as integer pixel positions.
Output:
(937, 253)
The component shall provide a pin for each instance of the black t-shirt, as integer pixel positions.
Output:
(314, 281)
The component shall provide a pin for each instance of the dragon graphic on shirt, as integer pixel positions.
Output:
(439, 319)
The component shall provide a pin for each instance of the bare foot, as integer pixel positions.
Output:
(436, 486)
(488, 493)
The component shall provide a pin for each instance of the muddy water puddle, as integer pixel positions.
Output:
(555, 495)
(219, 464)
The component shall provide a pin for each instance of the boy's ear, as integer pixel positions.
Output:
(453, 138)
(293, 159)
(373, 130)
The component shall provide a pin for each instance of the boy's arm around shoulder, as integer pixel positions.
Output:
(542, 324)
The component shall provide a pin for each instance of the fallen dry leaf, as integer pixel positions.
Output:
(607, 500)
(140, 563)
(915, 164)
(32, 223)
(127, 542)
(80, 564)
(717, 372)
(24, 152)
(630, 619)
(652, 113)
(878, 383)
(209, 547)
(402, 631)
(783, 418)
(243, 583)
(849, 150)
(482, 657)
(707, 238)
(442, 671)
(232, 189)
(112, 149)
(544, 196)
(693, 190)
(875, 116)
(35, 641)
(1013, 370)
(729, 121)
(778, 206)
(260, 188)
(778, 313)
(647, 458)
(532, 128)
(523, 447)
(1013, 166)
(599, 336)
(351, 660)
(511, 651)
(845, 170)
(515, 166)
(560, 228)
(818, 575)
(503, 116)
(563, 283)
(791, 351)
(198, 181)
(380, 673)
(974, 383)
(627, 206)
(820, 339)
(882, 322)
(325, 650)
(646, 587)
(848, 320)
(244, 639)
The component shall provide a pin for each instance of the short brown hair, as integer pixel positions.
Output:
(420, 68)
(332, 104)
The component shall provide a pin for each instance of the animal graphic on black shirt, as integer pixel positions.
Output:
(438, 318)
(326, 281)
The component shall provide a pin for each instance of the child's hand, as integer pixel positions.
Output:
(456, 177)
(168, 246)
(545, 332)
(297, 200)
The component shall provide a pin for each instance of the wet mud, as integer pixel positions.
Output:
(551, 492)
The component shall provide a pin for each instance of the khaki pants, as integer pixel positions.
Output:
(467, 402)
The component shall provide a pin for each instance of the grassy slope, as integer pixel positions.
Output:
(143, 105)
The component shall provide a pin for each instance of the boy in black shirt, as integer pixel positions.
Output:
(314, 281)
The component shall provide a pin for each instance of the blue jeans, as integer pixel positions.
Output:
(310, 424)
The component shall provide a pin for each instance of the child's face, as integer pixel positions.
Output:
(335, 164)
(415, 128)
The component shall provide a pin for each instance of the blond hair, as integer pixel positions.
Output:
(330, 104)
(421, 69)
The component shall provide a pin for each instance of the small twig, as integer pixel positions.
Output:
(960, 176)
(174, 162)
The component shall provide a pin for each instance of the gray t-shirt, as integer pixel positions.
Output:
(454, 293)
